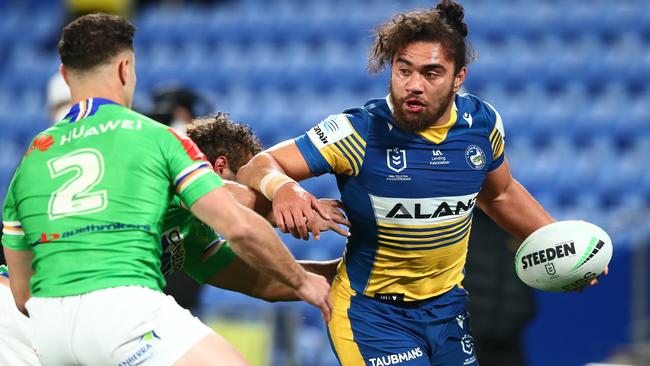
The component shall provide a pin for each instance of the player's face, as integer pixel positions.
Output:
(422, 86)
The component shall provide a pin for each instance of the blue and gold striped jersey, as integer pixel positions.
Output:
(408, 196)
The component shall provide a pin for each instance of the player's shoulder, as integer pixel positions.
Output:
(336, 127)
(146, 121)
(478, 111)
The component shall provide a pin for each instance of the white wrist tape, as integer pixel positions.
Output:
(271, 182)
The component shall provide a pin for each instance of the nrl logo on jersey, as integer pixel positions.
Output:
(396, 159)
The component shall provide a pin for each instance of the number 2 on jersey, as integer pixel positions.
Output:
(75, 197)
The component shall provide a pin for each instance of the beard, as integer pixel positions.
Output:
(417, 122)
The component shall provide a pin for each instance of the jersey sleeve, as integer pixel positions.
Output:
(497, 137)
(192, 174)
(13, 235)
(203, 264)
(337, 144)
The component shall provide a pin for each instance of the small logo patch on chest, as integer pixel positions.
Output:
(475, 157)
(396, 159)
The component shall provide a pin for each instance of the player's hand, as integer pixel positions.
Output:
(294, 207)
(594, 282)
(334, 208)
(316, 291)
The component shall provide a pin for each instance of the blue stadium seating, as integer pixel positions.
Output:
(570, 80)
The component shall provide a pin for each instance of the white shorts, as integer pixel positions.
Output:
(121, 326)
(15, 333)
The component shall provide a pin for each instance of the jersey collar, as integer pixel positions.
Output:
(435, 134)
(86, 108)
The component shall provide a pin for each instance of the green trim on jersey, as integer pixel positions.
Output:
(90, 194)
(192, 246)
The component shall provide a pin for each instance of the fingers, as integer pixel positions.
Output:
(311, 218)
(342, 220)
(337, 229)
(326, 310)
(606, 271)
(336, 204)
(298, 225)
(318, 208)
(279, 220)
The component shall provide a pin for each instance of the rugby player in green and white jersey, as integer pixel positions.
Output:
(188, 244)
(193, 247)
(83, 219)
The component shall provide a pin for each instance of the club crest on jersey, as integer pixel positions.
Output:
(396, 159)
(475, 157)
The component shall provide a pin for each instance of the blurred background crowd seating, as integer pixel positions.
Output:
(571, 80)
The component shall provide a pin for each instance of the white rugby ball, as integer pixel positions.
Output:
(563, 256)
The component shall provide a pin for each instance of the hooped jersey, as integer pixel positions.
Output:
(89, 196)
(191, 246)
(409, 197)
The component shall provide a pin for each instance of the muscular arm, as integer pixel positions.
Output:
(284, 158)
(510, 205)
(251, 199)
(257, 202)
(240, 277)
(255, 242)
(20, 264)
(293, 207)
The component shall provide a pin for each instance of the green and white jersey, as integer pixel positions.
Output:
(89, 196)
(191, 246)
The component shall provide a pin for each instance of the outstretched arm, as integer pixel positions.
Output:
(274, 173)
(240, 277)
(510, 205)
(255, 242)
(257, 202)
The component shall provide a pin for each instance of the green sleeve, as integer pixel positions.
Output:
(13, 235)
(192, 174)
(206, 252)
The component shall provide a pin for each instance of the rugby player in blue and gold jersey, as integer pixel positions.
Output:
(410, 167)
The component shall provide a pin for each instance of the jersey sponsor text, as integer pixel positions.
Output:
(396, 358)
(83, 131)
(421, 210)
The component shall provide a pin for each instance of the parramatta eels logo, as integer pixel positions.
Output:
(475, 157)
(396, 159)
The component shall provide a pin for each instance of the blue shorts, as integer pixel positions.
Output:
(365, 331)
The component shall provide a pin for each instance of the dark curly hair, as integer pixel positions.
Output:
(218, 135)
(444, 24)
(94, 39)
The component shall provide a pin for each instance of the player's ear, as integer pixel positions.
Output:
(64, 72)
(221, 164)
(459, 79)
(123, 70)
